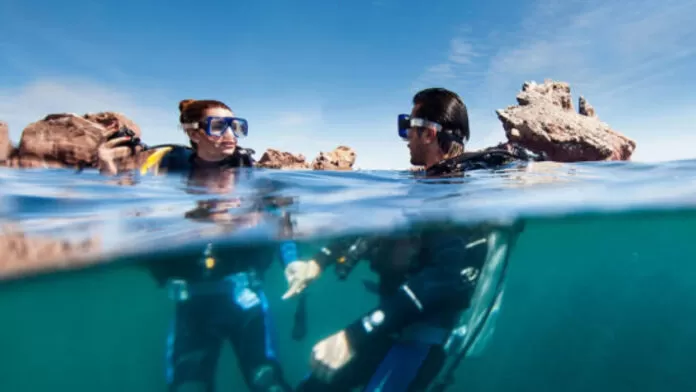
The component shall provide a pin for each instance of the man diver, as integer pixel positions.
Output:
(426, 280)
(218, 296)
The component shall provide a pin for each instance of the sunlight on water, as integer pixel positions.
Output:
(597, 286)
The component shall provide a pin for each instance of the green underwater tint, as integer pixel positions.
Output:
(592, 302)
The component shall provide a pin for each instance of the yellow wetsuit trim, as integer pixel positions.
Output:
(153, 161)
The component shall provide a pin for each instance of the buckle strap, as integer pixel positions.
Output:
(426, 334)
(181, 290)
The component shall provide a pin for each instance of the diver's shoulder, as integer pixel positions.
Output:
(246, 151)
(489, 158)
(174, 157)
(244, 157)
(170, 148)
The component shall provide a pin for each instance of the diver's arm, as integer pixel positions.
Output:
(300, 273)
(288, 252)
(288, 248)
(440, 284)
(333, 251)
(328, 254)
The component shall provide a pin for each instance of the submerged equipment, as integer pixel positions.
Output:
(346, 263)
(125, 131)
(477, 323)
(299, 326)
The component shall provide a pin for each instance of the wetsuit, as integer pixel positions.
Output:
(220, 297)
(399, 345)
(176, 158)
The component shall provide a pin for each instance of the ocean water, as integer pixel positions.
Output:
(599, 287)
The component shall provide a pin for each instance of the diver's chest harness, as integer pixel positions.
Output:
(244, 285)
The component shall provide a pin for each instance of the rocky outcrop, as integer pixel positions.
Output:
(67, 139)
(545, 123)
(60, 140)
(276, 159)
(113, 120)
(27, 255)
(585, 108)
(341, 158)
(6, 148)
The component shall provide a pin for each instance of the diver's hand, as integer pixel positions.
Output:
(330, 355)
(110, 151)
(299, 274)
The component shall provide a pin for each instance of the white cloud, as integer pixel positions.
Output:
(458, 66)
(23, 105)
(440, 71)
(299, 119)
(622, 56)
(461, 51)
(633, 60)
(601, 47)
(157, 116)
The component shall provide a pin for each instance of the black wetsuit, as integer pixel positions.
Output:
(220, 297)
(183, 159)
(399, 345)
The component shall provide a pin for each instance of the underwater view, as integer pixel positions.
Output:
(584, 279)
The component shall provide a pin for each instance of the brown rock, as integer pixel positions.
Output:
(585, 108)
(26, 255)
(341, 158)
(5, 144)
(275, 159)
(113, 120)
(62, 139)
(544, 122)
(67, 139)
(549, 93)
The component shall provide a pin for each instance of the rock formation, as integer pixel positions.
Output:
(341, 158)
(66, 139)
(276, 159)
(60, 140)
(6, 148)
(544, 122)
(585, 108)
(113, 120)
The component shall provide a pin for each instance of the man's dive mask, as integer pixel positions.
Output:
(406, 122)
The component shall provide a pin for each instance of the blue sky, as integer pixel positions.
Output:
(311, 75)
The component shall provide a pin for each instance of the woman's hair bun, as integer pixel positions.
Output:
(183, 104)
